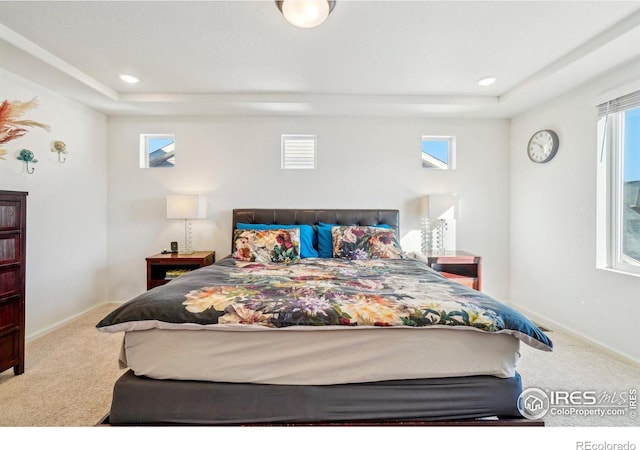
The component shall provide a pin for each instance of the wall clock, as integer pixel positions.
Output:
(543, 146)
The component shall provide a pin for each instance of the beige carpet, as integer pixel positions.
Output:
(68, 378)
(70, 373)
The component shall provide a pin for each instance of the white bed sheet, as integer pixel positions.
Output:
(336, 356)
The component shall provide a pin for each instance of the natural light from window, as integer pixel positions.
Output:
(618, 221)
(157, 150)
(631, 187)
(438, 152)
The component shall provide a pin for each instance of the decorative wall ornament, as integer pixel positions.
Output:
(28, 157)
(10, 126)
(61, 148)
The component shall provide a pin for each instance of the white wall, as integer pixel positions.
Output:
(66, 205)
(362, 163)
(553, 226)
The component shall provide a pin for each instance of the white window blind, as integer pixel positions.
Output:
(623, 103)
(298, 151)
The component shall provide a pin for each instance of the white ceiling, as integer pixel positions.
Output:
(368, 58)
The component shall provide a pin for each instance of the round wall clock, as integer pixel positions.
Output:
(543, 146)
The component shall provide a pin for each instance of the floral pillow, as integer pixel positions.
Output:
(267, 245)
(356, 242)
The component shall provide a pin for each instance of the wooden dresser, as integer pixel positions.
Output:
(13, 221)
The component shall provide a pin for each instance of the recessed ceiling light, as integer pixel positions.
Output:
(486, 81)
(306, 13)
(129, 78)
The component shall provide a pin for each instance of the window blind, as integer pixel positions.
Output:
(298, 151)
(622, 103)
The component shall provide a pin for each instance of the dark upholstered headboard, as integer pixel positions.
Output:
(361, 217)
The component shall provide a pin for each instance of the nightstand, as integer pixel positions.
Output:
(458, 266)
(163, 267)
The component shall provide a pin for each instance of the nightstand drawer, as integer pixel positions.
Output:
(461, 267)
(467, 281)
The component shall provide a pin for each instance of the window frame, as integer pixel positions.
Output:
(451, 150)
(286, 138)
(610, 191)
(145, 139)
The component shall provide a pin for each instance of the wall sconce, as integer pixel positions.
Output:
(438, 211)
(305, 13)
(186, 207)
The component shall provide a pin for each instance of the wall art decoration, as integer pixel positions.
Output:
(11, 124)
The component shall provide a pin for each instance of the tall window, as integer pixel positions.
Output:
(619, 183)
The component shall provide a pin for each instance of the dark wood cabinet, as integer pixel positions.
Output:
(163, 267)
(458, 266)
(13, 218)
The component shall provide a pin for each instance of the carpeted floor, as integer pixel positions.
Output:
(68, 378)
(70, 373)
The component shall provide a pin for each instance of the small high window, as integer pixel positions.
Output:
(298, 151)
(438, 152)
(157, 150)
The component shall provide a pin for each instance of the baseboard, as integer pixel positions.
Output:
(60, 324)
(554, 325)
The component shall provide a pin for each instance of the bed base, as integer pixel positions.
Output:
(488, 422)
(466, 401)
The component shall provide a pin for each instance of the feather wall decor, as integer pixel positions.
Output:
(11, 124)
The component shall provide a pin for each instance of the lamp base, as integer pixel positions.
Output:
(187, 249)
(438, 236)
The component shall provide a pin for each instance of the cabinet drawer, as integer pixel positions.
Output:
(9, 350)
(9, 248)
(9, 281)
(10, 313)
(10, 214)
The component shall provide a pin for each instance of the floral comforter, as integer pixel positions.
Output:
(318, 292)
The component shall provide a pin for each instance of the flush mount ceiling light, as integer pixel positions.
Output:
(486, 81)
(129, 78)
(306, 13)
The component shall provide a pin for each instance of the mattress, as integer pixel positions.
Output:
(295, 356)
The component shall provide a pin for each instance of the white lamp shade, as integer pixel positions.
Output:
(305, 13)
(439, 206)
(186, 207)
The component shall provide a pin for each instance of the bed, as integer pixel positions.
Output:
(317, 317)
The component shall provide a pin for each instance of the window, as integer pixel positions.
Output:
(157, 150)
(438, 152)
(298, 151)
(619, 184)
